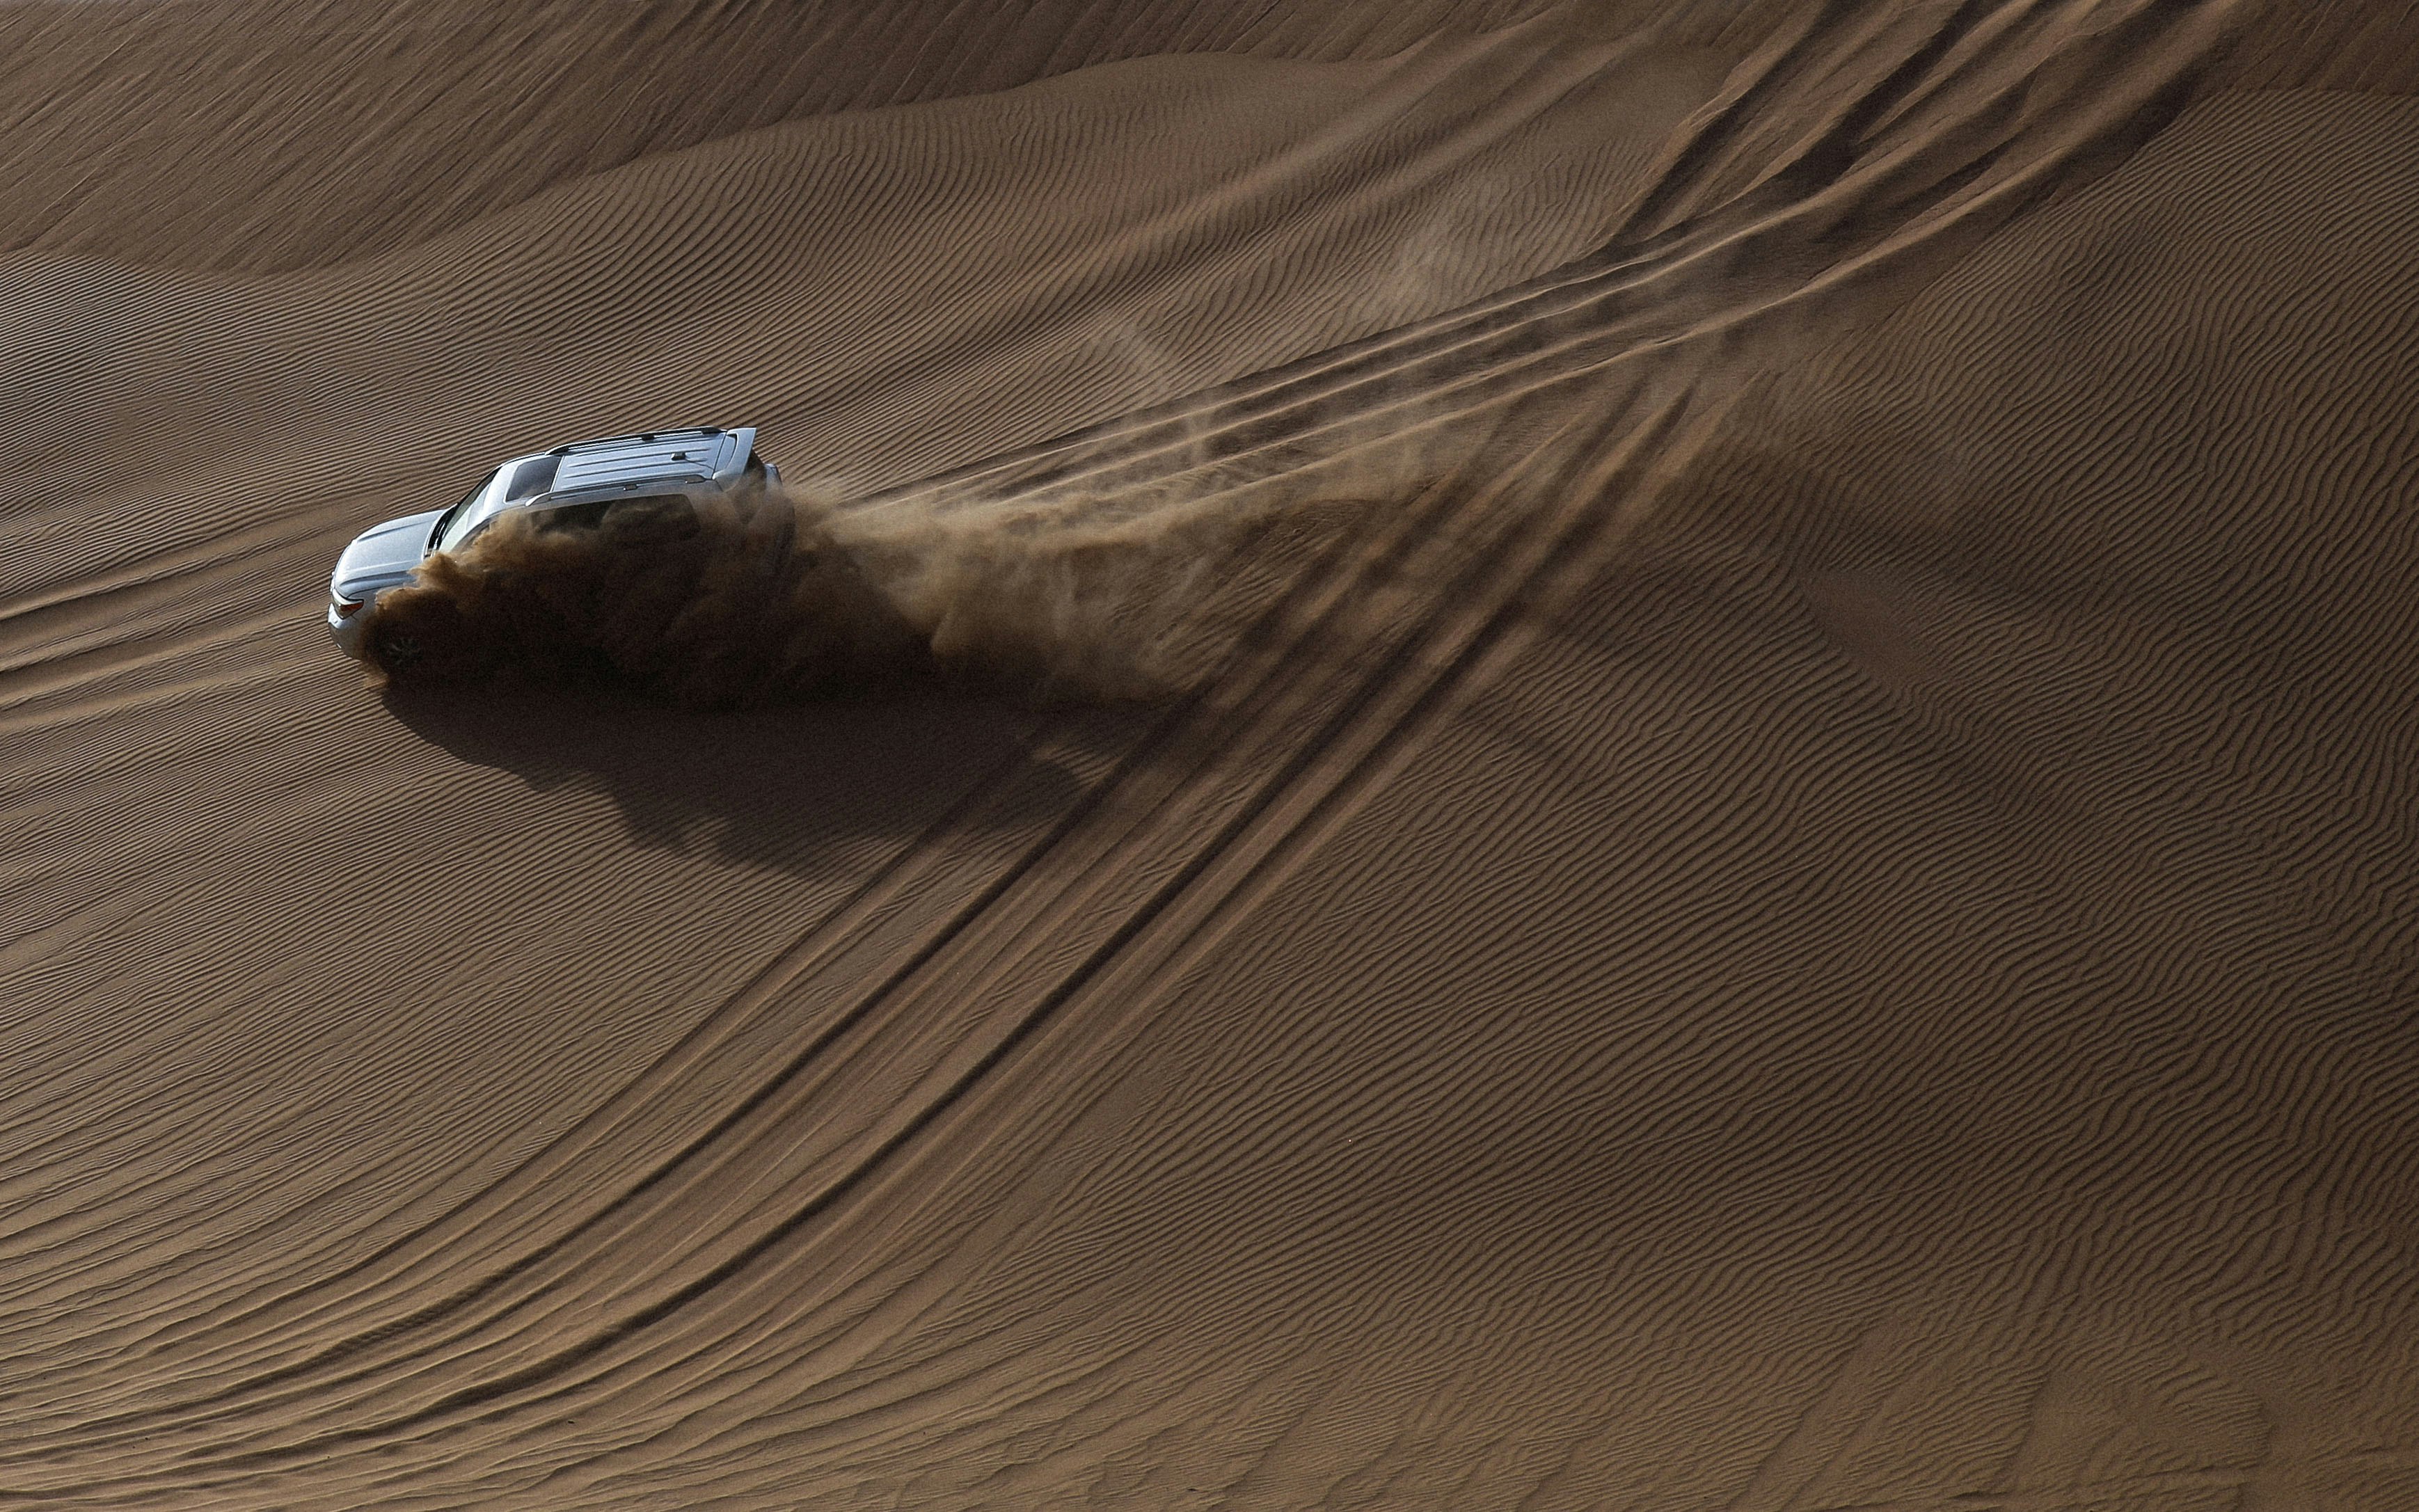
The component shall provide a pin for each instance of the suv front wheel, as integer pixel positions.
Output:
(396, 651)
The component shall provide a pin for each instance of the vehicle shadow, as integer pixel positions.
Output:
(786, 787)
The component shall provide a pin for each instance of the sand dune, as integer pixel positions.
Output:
(1778, 875)
(236, 133)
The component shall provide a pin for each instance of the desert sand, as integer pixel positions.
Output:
(1660, 754)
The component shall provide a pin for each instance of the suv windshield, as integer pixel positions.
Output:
(463, 520)
(454, 523)
(455, 527)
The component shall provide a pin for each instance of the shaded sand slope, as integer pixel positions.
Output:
(1815, 912)
(237, 133)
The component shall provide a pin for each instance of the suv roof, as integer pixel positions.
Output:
(639, 438)
(582, 472)
(697, 454)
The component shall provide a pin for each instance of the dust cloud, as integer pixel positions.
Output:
(767, 596)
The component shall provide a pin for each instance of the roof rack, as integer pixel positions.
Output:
(636, 436)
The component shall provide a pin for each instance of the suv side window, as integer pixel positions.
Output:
(532, 477)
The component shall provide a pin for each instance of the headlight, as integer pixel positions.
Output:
(346, 608)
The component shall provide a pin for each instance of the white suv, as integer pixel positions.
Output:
(575, 482)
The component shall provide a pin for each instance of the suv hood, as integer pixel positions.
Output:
(383, 555)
